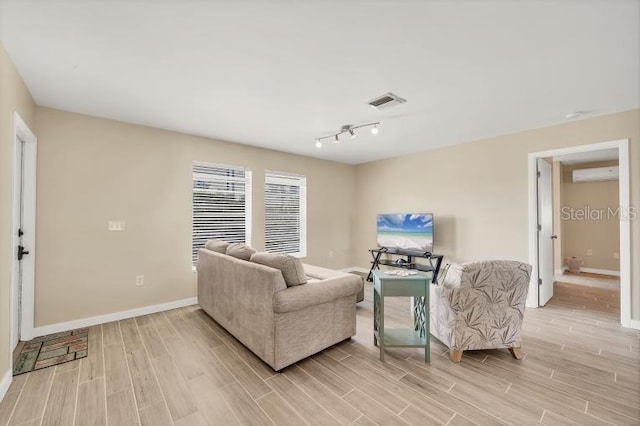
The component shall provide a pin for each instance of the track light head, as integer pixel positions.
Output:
(347, 128)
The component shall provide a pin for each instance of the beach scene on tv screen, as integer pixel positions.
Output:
(408, 231)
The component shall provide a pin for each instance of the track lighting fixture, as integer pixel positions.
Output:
(347, 128)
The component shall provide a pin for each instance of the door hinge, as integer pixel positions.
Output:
(539, 281)
(539, 227)
(538, 173)
(20, 233)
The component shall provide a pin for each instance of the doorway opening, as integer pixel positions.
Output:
(581, 228)
(586, 218)
(23, 233)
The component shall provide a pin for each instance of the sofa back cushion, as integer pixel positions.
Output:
(240, 251)
(218, 246)
(291, 267)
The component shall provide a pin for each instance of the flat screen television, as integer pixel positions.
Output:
(407, 231)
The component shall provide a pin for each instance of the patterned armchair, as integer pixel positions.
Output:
(480, 305)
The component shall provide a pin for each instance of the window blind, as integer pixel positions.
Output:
(221, 204)
(285, 218)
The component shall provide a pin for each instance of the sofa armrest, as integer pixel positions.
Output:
(316, 292)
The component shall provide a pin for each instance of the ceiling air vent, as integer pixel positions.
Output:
(386, 101)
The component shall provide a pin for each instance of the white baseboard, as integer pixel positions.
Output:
(591, 271)
(355, 269)
(635, 324)
(5, 383)
(101, 319)
(600, 271)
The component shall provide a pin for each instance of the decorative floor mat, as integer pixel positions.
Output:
(53, 349)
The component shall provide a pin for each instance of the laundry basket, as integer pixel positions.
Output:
(574, 263)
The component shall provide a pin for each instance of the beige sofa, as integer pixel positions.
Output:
(280, 324)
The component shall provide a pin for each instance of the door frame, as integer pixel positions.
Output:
(625, 225)
(23, 133)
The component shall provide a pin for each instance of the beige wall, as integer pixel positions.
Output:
(600, 232)
(92, 170)
(14, 96)
(478, 191)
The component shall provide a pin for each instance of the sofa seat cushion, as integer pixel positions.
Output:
(218, 246)
(240, 251)
(291, 267)
(320, 273)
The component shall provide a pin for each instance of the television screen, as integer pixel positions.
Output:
(408, 231)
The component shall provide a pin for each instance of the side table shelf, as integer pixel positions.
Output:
(416, 286)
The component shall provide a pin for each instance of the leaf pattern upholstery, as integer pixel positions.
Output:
(480, 305)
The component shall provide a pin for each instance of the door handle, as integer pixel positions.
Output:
(554, 237)
(22, 252)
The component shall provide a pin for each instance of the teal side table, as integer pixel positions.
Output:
(416, 286)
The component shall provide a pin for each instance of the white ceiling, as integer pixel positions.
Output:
(278, 74)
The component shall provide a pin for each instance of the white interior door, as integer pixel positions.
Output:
(24, 232)
(19, 250)
(545, 232)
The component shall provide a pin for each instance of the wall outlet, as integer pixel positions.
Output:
(139, 280)
(589, 252)
(116, 225)
(616, 255)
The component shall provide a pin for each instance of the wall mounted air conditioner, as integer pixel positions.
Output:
(596, 174)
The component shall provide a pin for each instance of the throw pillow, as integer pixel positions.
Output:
(291, 267)
(240, 251)
(217, 246)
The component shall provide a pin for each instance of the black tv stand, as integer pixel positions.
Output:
(405, 259)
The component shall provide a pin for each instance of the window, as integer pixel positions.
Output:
(285, 215)
(221, 205)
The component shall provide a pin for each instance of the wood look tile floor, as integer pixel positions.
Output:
(180, 368)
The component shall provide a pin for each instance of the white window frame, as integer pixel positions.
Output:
(288, 179)
(226, 180)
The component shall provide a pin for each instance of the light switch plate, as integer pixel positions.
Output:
(116, 225)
